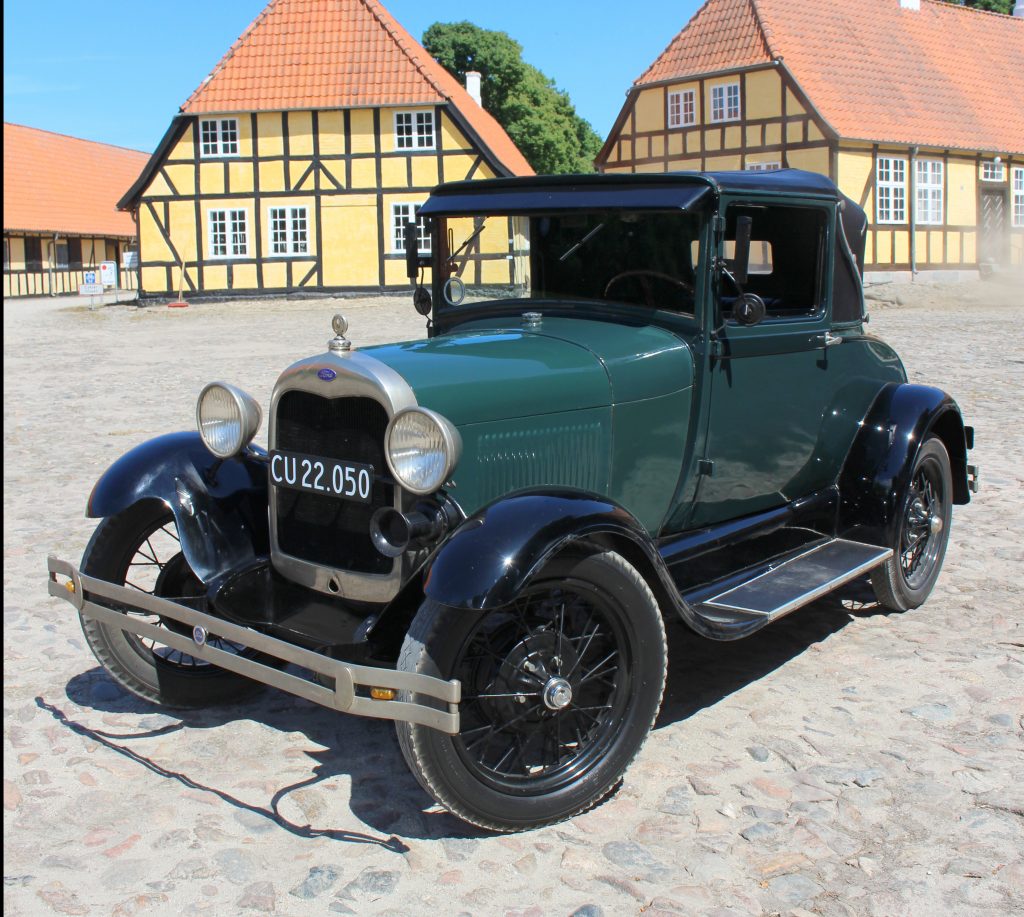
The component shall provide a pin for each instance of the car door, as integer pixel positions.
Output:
(770, 383)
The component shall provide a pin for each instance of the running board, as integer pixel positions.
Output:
(796, 582)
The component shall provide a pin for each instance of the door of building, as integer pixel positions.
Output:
(994, 237)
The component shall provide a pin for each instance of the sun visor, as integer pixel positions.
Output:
(550, 200)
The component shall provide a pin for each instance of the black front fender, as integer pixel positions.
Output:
(876, 474)
(220, 505)
(488, 560)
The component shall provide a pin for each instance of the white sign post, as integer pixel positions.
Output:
(108, 273)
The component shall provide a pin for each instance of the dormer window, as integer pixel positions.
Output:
(219, 137)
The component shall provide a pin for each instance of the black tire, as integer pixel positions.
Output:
(908, 577)
(150, 670)
(589, 622)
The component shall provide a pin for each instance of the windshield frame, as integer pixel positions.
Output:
(446, 316)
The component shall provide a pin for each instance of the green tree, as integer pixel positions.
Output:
(539, 117)
(993, 6)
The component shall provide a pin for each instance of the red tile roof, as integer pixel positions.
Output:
(941, 76)
(311, 54)
(55, 183)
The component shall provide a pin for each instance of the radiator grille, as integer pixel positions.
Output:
(326, 530)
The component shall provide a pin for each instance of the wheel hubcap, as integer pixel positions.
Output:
(557, 694)
(923, 522)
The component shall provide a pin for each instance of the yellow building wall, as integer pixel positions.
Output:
(52, 280)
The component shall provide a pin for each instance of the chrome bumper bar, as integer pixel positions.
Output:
(80, 590)
(974, 478)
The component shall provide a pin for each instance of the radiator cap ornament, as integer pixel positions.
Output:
(339, 343)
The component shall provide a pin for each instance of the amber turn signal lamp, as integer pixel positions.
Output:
(383, 693)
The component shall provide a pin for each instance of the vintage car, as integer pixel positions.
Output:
(640, 397)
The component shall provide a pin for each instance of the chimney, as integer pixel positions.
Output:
(473, 86)
(910, 4)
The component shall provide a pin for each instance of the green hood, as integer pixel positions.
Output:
(497, 370)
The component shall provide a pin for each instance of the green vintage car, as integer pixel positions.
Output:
(640, 398)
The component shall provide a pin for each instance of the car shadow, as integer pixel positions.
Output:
(385, 797)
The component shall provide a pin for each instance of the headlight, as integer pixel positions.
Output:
(423, 449)
(227, 417)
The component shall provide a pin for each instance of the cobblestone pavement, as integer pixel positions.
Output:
(844, 761)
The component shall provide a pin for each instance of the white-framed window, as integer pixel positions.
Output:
(890, 190)
(414, 130)
(725, 102)
(219, 137)
(289, 231)
(400, 215)
(229, 233)
(993, 171)
(928, 191)
(764, 166)
(1018, 195)
(682, 108)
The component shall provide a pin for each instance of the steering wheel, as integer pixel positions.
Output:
(645, 282)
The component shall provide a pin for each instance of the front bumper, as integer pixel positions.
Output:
(83, 591)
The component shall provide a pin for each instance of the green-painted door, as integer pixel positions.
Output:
(771, 384)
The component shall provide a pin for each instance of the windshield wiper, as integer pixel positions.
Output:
(468, 241)
(575, 248)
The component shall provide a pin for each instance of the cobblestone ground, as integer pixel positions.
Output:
(844, 761)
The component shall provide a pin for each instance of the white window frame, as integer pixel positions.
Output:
(401, 212)
(725, 103)
(415, 130)
(890, 190)
(289, 231)
(764, 166)
(993, 171)
(218, 138)
(233, 226)
(682, 108)
(1017, 193)
(929, 202)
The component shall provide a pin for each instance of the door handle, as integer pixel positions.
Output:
(828, 339)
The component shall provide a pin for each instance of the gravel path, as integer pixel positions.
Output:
(844, 761)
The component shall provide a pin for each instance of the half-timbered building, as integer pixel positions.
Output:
(913, 107)
(60, 216)
(295, 164)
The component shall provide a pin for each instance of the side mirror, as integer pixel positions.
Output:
(749, 309)
(412, 250)
(741, 255)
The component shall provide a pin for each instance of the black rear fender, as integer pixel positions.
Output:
(876, 474)
(219, 505)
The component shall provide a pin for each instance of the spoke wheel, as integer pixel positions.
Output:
(909, 576)
(559, 691)
(140, 548)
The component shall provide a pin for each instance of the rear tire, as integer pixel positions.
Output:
(560, 690)
(907, 578)
(139, 547)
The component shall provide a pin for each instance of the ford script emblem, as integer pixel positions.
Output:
(327, 374)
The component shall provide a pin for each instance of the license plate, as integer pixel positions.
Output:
(318, 475)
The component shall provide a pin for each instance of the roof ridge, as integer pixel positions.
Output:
(235, 45)
(44, 130)
(395, 30)
(945, 4)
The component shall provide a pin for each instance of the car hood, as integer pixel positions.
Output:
(498, 369)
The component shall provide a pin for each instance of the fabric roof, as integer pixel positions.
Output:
(309, 54)
(60, 184)
(943, 75)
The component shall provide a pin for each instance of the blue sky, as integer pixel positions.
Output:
(117, 71)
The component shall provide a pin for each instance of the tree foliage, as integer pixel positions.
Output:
(539, 117)
(993, 6)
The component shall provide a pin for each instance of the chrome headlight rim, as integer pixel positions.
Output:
(450, 436)
(250, 416)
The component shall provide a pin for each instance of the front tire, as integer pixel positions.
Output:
(908, 577)
(559, 691)
(139, 548)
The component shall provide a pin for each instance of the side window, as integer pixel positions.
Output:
(787, 256)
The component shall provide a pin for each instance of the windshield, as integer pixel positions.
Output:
(644, 259)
